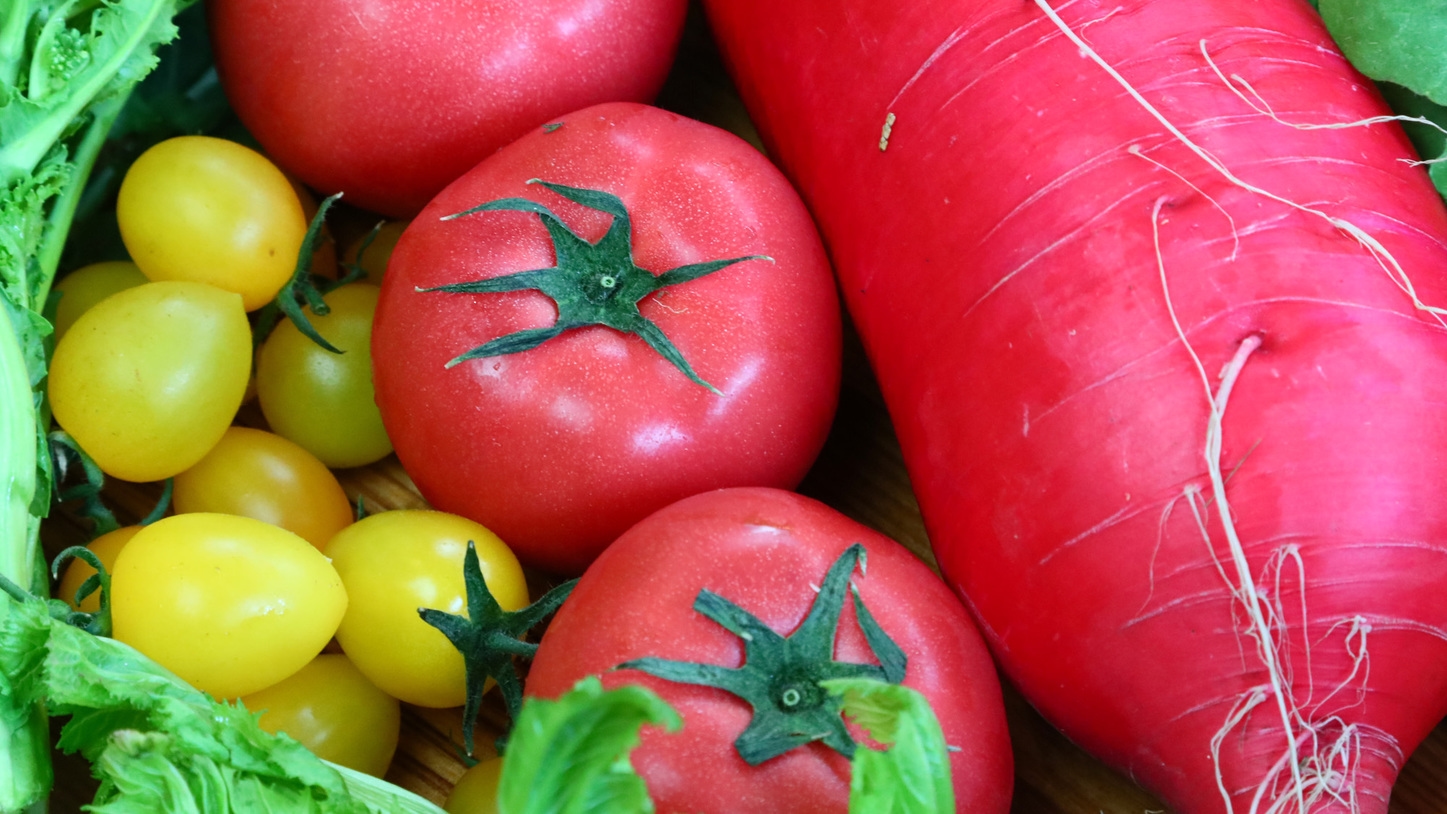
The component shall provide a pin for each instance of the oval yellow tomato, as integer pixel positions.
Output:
(259, 474)
(213, 211)
(332, 709)
(230, 604)
(476, 790)
(148, 380)
(83, 288)
(393, 563)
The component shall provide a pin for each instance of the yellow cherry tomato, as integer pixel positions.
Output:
(393, 563)
(230, 604)
(332, 709)
(210, 210)
(323, 400)
(476, 790)
(259, 474)
(148, 380)
(105, 547)
(86, 286)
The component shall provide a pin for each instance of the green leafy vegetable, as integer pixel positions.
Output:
(157, 745)
(912, 776)
(570, 756)
(1398, 43)
(66, 70)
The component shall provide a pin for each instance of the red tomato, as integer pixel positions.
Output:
(390, 101)
(561, 448)
(768, 551)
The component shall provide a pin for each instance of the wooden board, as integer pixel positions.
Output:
(861, 473)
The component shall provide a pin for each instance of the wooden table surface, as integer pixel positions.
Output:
(861, 473)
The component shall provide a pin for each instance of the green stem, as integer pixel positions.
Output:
(62, 211)
(21, 156)
(12, 42)
(25, 773)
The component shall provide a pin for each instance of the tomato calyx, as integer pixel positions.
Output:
(96, 623)
(591, 283)
(305, 290)
(781, 675)
(66, 455)
(489, 637)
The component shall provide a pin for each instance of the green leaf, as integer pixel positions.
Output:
(913, 775)
(1396, 41)
(157, 745)
(570, 756)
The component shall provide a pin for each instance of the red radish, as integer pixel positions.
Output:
(1068, 235)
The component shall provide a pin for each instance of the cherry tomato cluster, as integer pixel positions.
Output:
(261, 586)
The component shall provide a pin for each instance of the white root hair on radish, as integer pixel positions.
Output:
(1321, 754)
(1248, 94)
(1374, 247)
(1136, 150)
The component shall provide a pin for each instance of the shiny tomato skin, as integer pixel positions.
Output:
(332, 709)
(476, 791)
(389, 102)
(322, 400)
(213, 211)
(395, 562)
(148, 380)
(83, 288)
(767, 551)
(230, 604)
(561, 448)
(254, 473)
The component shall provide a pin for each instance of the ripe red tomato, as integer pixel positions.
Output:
(562, 447)
(388, 102)
(767, 551)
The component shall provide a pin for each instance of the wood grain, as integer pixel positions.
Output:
(860, 472)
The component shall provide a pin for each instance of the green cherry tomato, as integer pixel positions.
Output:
(148, 380)
(332, 709)
(476, 790)
(210, 210)
(83, 288)
(259, 474)
(230, 604)
(323, 400)
(393, 563)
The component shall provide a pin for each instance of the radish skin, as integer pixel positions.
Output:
(1153, 290)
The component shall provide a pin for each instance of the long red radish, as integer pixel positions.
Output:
(1155, 313)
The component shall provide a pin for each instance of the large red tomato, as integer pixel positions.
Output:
(561, 447)
(389, 100)
(767, 552)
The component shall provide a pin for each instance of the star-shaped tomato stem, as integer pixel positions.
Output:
(489, 638)
(781, 674)
(591, 283)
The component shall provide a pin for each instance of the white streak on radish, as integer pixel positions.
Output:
(1083, 168)
(1084, 228)
(1121, 515)
(1257, 102)
(1378, 252)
